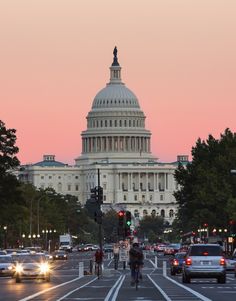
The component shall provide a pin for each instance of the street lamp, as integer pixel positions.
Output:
(5, 236)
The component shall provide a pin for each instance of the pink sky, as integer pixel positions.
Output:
(178, 57)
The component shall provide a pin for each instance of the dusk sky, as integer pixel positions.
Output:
(177, 56)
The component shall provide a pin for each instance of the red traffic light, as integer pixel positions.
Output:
(121, 213)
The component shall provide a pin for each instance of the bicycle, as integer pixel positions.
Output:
(136, 275)
(98, 269)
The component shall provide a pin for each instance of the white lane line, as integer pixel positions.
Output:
(152, 263)
(113, 288)
(78, 288)
(117, 289)
(49, 289)
(200, 296)
(110, 262)
(160, 290)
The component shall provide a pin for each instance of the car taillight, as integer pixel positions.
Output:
(222, 261)
(175, 262)
(188, 261)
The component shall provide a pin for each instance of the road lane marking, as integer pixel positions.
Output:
(160, 289)
(78, 288)
(120, 279)
(203, 298)
(117, 289)
(49, 289)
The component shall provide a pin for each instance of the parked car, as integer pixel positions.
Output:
(2, 252)
(204, 261)
(59, 255)
(31, 266)
(176, 263)
(6, 265)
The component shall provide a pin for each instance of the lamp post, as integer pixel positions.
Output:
(5, 236)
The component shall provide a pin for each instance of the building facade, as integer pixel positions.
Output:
(117, 144)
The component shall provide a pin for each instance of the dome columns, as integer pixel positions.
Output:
(116, 144)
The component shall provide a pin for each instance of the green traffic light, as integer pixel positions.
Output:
(128, 223)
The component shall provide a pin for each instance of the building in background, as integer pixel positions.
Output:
(117, 143)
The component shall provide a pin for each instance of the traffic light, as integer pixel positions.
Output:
(94, 194)
(128, 219)
(100, 194)
(121, 217)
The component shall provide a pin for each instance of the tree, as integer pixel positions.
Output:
(151, 226)
(10, 197)
(110, 225)
(207, 188)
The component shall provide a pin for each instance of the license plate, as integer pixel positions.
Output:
(205, 262)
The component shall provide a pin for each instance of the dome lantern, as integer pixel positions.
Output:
(115, 69)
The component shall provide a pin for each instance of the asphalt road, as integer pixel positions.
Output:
(157, 284)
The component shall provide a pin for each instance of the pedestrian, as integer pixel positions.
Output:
(116, 250)
(135, 258)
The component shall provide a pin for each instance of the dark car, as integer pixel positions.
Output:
(172, 249)
(59, 255)
(204, 261)
(176, 263)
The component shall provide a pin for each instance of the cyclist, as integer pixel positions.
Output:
(135, 257)
(98, 259)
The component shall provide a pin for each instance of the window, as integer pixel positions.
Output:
(171, 213)
(163, 213)
(76, 187)
(145, 212)
(76, 177)
(69, 187)
(42, 177)
(161, 197)
(135, 197)
(50, 177)
(125, 198)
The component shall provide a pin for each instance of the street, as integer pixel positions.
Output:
(157, 284)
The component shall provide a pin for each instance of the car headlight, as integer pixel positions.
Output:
(44, 268)
(19, 268)
(10, 267)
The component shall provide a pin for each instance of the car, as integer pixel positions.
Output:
(176, 263)
(60, 255)
(88, 247)
(230, 264)
(31, 266)
(6, 265)
(172, 249)
(2, 252)
(108, 248)
(204, 261)
(159, 248)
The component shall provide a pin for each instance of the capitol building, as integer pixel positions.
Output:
(117, 144)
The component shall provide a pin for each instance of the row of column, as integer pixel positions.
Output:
(143, 181)
(116, 144)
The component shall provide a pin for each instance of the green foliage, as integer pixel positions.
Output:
(151, 227)
(208, 189)
(110, 224)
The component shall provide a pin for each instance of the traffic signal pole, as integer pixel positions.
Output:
(100, 224)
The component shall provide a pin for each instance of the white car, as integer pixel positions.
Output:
(6, 265)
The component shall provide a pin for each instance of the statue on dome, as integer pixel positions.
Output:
(115, 60)
(115, 52)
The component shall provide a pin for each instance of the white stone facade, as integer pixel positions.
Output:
(117, 143)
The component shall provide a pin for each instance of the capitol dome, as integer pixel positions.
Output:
(115, 95)
(115, 124)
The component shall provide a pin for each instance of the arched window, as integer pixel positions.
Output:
(154, 212)
(136, 213)
(163, 213)
(171, 213)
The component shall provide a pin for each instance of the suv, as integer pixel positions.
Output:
(204, 261)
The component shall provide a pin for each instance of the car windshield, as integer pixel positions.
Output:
(205, 251)
(30, 258)
(5, 259)
(180, 255)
